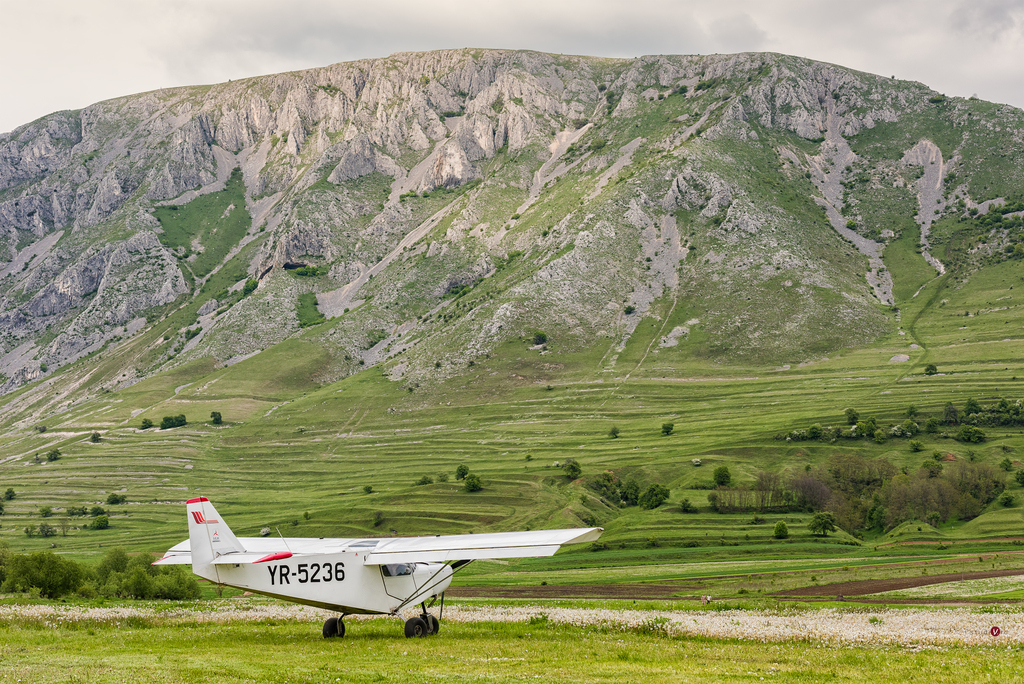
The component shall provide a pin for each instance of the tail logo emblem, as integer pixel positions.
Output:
(200, 520)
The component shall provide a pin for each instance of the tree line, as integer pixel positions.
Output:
(117, 575)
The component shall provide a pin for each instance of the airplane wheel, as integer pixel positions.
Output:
(341, 628)
(435, 624)
(415, 627)
(331, 626)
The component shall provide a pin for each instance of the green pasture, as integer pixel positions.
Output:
(147, 648)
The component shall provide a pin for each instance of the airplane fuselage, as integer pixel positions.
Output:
(335, 581)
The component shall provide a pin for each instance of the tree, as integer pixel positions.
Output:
(116, 499)
(722, 476)
(1006, 464)
(852, 416)
(969, 433)
(1019, 477)
(540, 337)
(931, 369)
(47, 530)
(971, 406)
(146, 424)
(781, 530)
(215, 418)
(368, 489)
(653, 496)
(571, 468)
(461, 472)
(951, 415)
(614, 432)
(473, 483)
(45, 511)
(911, 411)
(101, 522)
(667, 428)
(95, 437)
(9, 494)
(629, 492)
(53, 455)
(96, 511)
(822, 523)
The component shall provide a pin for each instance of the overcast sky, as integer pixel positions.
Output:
(66, 54)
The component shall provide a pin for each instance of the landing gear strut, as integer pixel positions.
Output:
(334, 627)
(422, 625)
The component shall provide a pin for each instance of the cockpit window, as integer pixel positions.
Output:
(398, 569)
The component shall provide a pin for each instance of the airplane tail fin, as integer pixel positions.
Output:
(209, 536)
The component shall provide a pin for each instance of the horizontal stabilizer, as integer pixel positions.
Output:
(477, 546)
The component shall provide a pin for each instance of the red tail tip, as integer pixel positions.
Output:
(199, 500)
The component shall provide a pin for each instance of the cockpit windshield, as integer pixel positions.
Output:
(398, 569)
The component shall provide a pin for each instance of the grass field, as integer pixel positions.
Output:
(155, 644)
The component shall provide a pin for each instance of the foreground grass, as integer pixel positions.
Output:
(147, 648)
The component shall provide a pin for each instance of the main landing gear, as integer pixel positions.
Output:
(422, 625)
(334, 627)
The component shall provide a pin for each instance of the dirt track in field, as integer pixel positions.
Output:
(690, 592)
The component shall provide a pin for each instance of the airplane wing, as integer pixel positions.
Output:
(476, 546)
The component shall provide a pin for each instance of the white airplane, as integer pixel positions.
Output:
(351, 576)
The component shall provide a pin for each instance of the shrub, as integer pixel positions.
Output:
(45, 511)
(614, 432)
(95, 437)
(1006, 464)
(96, 511)
(1019, 477)
(473, 483)
(116, 499)
(629, 309)
(1006, 499)
(781, 530)
(9, 494)
(540, 337)
(53, 455)
(216, 418)
(425, 480)
(653, 496)
(461, 472)
(686, 507)
(367, 489)
(722, 476)
(169, 422)
(442, 477)
(250, 286)
(146, 424)
(667, 428)
(852, 416)
(915, 445)
(101, 522)
(969, 433)
(52, 575)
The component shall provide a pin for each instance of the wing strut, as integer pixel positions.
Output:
(456, 566)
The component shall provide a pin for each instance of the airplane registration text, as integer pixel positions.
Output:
(307, 572)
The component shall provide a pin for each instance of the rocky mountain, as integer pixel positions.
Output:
(422, 210)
